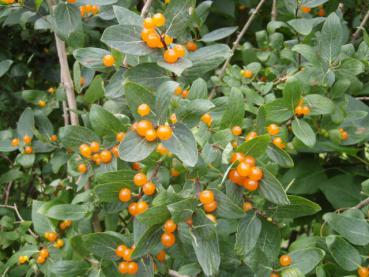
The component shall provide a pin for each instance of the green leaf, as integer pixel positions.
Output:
(345, 255)
(303, 26)
(137, 95)
(199, 89)
(306, 259)
(308, 52)
(67, 212)
(127, 17)
(135, 148)
(349, 68)
(278, 111)
(279, 156)
(256, 147)
(319, 104)
(247, 235)
(177, 16)
(182, 210)
(41, 223)
(69, 268)
(148, 75)
(235, 110)
(178, 67)
(302, 130)
(292, 272)
(154, 216)
(313, 3)
(95, 91)
(26, 123)
(354, 229)
(292, 92)
(126, 39)
(331, 38)
(147, 241)
(272, 189)
(269, 241)
(191, 112)
(183, 144)
(298, 207)
(74, 136)
(205, 243)
(103, 122)
(226, 208)
(219, 34)
(5, 66)
(163, 98)
(67, 19)
(91, 57)
(11, 175)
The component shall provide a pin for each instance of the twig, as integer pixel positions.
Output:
(236, 43)
(361, 26)
(363, 98)
(7, 193)
(65, 114)
(362, 204)
(144, 12)
(15, 209)
(340, 7)
(176, 274)
(274, 10)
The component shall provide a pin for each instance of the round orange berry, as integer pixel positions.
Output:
(170, 56)
(142, 206)
(41, 103)
(143, 126)
(250, 185)
(120, 136)
(15, 142)
(236, 130)
(44, 253)
(185, 93)
(119, 251)
(235, 177)
(127, 253)
(164, 132)
(94, 146)
(143, 109)
(168, 239)
(82, 168)
(151, 135)
(206, 196)
(158, 19)
(148, 23)
(85, 150)
(274, 274)
(53, 138)
(250, 160)
(363, 271)
(132, 268)
(247, 206)
(207, 119)
(180, 50)
(108, 60)
(305, 110)
(305, 9)
(191, 46)
(149, 188)
(170, 226)
(243, 169)
(28, 150)
(123, 267)
(210, 207)
(285, 260)
(106, 156)
(132, 209)
(178, 90)
(247, 73)
(125, 194)
(237, 156)
(27, 139)
(273, 129)
(59, 243)
(299, 110)
(140, 179)
(256, 173)
(279, 142)
(115, 151)
(41, 260)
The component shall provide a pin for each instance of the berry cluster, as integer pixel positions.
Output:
(88, 10)
(154, 38)
(301, 109)
(27, 140)
(246, 174)
(167, 238)
(128, 266)
(181, 92)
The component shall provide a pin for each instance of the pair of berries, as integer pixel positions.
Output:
(42, 256)
(148, 187)
(167, 238)
(137, 208)
(181, 92)
(65, 224)
(301, 109)
(128, 266)
(251, 136)
(145, 128)
(207, 198)
(87, 10)
(273, 130)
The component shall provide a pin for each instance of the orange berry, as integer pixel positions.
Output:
(120, 136)
(82, 11)
(149, 188)
(149, 23)
(247, 206)
(305, 110)
(125, 195)
(235, 177)
(41, 103)
(210, 207)
(305, 9)
(236, 130)
(237, 156)
(82, 81)
(363, 271)
(158, 19)
(174, 172)
(85, 150)
(153, 40)
(164, 132)
(285, 260)
(170, 226)
(143, 126)
(185, 93)
(170, 56)
(256, 173)
(168, 40)
(247, 73)
(151, 135)
(180, 50)
(178, 91)
(207, 119)
(119, 251)
(251, 136)
(142, 206)
(94, 146)
(71, 1)
(136, 166)
(23, 259)
(82, 168)
(299, 110)
(44, 253)
(250, 185)
(143, 109)
(274, 274)
(211, 217)
(273, 129)
(279, 142)
(145, 34)
(108, 60)
(173, 118)
(132, 209)
(321, 12)
(206, 196)
(65, 224)
(140, 179)
(95, 9)
(51, 236)
(106, 156)
(127, 253)
(15, 142)
(59, 243)
(243, 169)
(191, 46)
(51, 90)
(161, 256)
(115, 151)
(41, 260)
(27, 139)
(344, 135)
(132, 268)
(168, 239)
(123, 267)
(54, 138)
(234, 143)
(161, 149)
(88, 8)
(28, 150)
(250, 160)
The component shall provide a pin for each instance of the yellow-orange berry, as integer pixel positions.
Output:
(256, 173)
(363, 271)
(247, 206)
(41, 103)
(185, 93)
(305, 110)
(180, 50)
(53, 138)
(285, 260)
(164, 132)
(170, 56)
(108, 60)
(82, 168)
(85, 150)
(178, 90)
(250, 185)
(299, 110)
(168, 239)
(237, 156)
(149, 23)
(247, 73)
(251, 136)
(120, 136)
(27, 139)
(132, 209)
(191, 46)
(279, 143)
(140, 179)
(142, 206)
(305, 9)
(40, 260)
(59, 243)
(244, 169)
(143, 126)
(28, 150)
(106, 156)
(149, 188)
(207, 119)
(235, 177)
(44, 253)
(132, 268)
(125, 195)
(158, 19)
(151, 135)
(273, 129)
(236, 130)
(210, 207)
(170, 226)
(143, 109)
(94, 146)
(123, 267)
(15, 142)
(206, 196)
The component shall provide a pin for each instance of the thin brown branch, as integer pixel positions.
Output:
(176, 274)
(362, 204)
(7, 193)
(361, 26)
(362, 98)
(236, 43)
(274, 12)
(65, 114)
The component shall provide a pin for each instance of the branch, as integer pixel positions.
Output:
(65, 114)
(274, 10)
(144, 12)
(237, 43)
(361, 26)
(362, 98)
(176, 274)
(362, 204)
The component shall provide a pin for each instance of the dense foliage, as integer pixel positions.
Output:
(184, 138)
